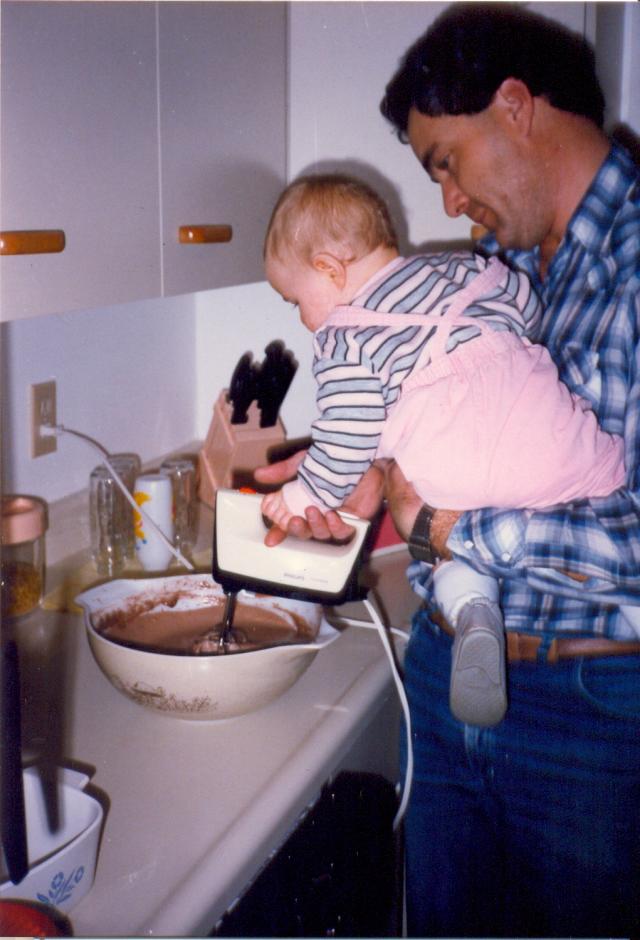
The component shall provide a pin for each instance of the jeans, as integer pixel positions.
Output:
(530, 828)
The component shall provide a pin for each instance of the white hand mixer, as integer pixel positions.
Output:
(320, 572)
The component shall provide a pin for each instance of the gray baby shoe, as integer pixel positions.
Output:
(478, 692)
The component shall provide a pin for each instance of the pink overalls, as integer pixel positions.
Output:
(490, 424)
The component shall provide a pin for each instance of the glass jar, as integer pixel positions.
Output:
(24, 523)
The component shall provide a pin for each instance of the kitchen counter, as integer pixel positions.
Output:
(194, 809)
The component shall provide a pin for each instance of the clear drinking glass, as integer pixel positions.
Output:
(127, 466)
(107, 522)
(182, 472)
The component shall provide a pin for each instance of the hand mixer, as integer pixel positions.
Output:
(320, 572)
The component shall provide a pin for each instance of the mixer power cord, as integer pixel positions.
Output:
(378, 625)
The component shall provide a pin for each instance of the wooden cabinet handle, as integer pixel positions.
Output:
(34, 242)
(204, 234)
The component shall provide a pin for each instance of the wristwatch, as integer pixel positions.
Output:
(419, 543)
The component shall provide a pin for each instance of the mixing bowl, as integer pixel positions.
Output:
(202, 687)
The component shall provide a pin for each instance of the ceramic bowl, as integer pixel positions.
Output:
(198, 687)
(61, 863)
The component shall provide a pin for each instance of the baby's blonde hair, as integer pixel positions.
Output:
(329, 212)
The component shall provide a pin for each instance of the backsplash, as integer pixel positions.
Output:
(139, 377)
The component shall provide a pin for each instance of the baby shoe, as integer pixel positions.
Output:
(478, 693)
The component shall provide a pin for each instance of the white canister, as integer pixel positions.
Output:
(153, 493)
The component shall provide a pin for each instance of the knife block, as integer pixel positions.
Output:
(231, 452)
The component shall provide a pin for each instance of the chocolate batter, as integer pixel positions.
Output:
(164, 624)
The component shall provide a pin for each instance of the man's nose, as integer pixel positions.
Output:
(455, 201)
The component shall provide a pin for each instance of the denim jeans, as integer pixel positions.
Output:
(531, 828)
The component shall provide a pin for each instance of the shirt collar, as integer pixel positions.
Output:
(590, 226)
(591, 223)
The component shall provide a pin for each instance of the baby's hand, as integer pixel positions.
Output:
(274, 508)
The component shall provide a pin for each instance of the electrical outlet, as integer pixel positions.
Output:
(42, 413)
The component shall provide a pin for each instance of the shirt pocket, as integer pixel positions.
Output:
(581, 372)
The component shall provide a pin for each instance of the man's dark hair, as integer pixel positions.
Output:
(457, 66)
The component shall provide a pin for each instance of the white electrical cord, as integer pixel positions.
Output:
(104, 457)
(383, 632)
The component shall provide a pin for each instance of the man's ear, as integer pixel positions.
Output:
(331, 266)
(516, 104)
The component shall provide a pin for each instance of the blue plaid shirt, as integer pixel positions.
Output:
(591, 327)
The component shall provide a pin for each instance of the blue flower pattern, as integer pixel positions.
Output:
(61, 888)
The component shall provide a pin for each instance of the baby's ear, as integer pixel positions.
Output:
(331, 266)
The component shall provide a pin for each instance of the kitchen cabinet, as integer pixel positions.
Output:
(122, 122)
(222, 99)
(79, 153)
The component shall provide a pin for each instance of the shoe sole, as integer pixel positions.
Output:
(477, 694)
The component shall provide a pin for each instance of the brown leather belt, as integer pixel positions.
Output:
(524, 648)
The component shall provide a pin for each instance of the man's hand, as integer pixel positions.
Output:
(280, 472)
(404, 505)
(364, 502)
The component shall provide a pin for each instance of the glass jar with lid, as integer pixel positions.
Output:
(22, 563)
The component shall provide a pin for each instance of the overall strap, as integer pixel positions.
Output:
(492, 276)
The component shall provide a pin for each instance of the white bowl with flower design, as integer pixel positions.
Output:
(203, 686)
(62, 862)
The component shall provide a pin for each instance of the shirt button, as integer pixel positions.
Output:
(506, 556)
(468, 544)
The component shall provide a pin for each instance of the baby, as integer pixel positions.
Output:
(426, 360)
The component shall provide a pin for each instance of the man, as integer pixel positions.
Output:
(531, 827)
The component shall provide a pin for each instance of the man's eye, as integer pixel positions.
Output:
(443, 164)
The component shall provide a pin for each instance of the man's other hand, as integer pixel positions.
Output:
(404, 505)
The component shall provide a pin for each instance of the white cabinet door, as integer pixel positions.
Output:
(86, 141)
(80, 153)
(222, 129)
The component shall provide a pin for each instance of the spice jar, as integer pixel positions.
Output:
(22, 565)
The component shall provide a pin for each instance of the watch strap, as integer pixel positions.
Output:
(420, 539)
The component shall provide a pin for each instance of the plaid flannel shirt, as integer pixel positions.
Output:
(591, 326)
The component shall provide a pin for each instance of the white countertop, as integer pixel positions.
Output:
(194, 809)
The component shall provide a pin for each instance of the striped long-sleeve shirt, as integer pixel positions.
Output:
(360, 369)
(591, 327)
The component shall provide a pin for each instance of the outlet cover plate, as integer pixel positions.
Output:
(42, 413)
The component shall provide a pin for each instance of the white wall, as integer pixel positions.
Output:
(342, 54)
(236, 320)
(125, 375)
(617, 44)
